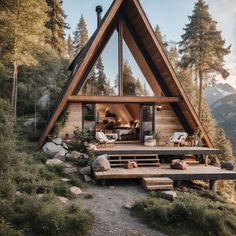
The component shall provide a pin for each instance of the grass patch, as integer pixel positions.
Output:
(47, 216)
(189, 214)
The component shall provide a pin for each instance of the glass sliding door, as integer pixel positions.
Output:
(89, 117)
(147, 115)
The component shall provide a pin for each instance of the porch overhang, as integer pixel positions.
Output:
(123, 99)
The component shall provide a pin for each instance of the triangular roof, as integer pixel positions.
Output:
(151, 49)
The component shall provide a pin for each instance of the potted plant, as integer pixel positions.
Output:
(157, 136)
(195, 137)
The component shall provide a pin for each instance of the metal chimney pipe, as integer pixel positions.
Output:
(99, 17)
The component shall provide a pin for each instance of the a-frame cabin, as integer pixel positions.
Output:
(131, 99)
(122, 82)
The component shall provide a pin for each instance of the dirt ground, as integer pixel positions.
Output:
(112, 217)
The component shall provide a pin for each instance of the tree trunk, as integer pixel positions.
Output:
(200, 95)
(35, 113)
(14, 89)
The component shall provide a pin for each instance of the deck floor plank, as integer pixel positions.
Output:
(192, 173)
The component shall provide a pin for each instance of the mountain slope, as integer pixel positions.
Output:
(224, 112)
(218, 91)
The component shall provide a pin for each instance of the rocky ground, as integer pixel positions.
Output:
(111, 204)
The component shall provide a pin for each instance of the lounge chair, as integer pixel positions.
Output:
(103, 140)
(178, 138)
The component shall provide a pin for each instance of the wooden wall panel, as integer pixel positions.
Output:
(74, 119)
(167, 123)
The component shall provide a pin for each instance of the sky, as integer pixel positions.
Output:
(170, 15)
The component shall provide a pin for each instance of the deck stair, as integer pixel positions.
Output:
(157, 183)
(141, 159)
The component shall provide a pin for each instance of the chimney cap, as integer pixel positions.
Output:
(99, 9)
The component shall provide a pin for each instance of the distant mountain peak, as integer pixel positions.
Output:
(218, 91)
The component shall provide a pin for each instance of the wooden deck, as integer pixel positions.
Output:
(196, 172)
(160, 150)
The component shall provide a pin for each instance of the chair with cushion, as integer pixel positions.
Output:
(103, 140)
(178, 138)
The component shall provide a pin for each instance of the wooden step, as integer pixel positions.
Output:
(159, 187)
(158, 180)
(140, 159)
(157, 183)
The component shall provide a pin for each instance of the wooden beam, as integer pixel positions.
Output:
(122, 99)
(142, 63)
(78, 73)
(170, 70)
(120, 55)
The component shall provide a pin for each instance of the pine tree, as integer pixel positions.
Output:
(80, 35)
(56, 25)
(222, 143)
(203, 48)
(101, 79)
(131, 85)
(23, 33)
(161, 38)
(70, 52)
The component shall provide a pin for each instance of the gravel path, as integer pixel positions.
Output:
(112, 218)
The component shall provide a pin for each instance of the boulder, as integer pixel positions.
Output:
(127, 206)
(69, 170)
(29, 122)
(64, 145)
(63, 199)
(179, 164)
(85, 156)
(57, 141)
(85, 170)
(59, 156)
(65, 179)
(43, 101)
(228, 165)
(67, 165)
(75, 190)
(52, 149)
(168, 195)
(101, 163)
(87, 178)
(54, 161)
(18, 193)
(74, 155)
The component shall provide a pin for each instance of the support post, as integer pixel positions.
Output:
(206, 160)
(120, 56)
(213, 185)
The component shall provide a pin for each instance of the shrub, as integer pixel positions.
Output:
(76, 181)
(189, 213)
(7, 229)
(62, 189)
(47, 216)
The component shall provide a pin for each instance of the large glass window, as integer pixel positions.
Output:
(89, 122)
(103, 77)
(134, 82)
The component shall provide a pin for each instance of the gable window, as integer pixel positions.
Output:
(116, 72)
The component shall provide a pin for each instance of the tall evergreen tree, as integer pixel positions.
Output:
(131, 85)
(161, 38)
(56, 25)
(203, 48)
(80, 35)
(102, 85)
(23, 32)
(70, 52)
(222, 143)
